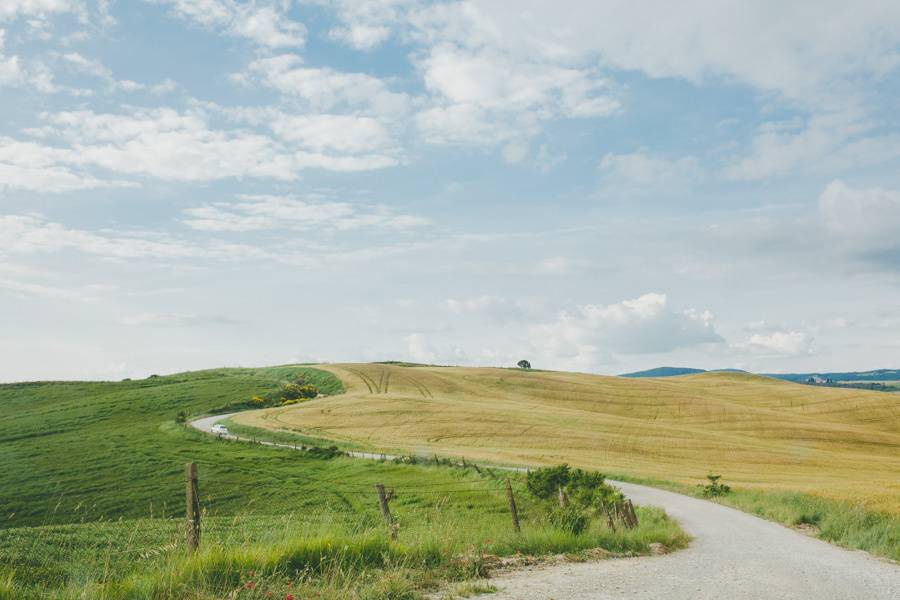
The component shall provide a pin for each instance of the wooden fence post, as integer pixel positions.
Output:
(634, 519)
(512, 506)
(562, 498)
(192, 506)
(609, 519)
(385, 510)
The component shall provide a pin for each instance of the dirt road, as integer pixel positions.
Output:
(734, 556)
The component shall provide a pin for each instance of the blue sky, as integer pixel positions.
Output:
(597, 186)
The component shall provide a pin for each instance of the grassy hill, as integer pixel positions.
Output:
(663, 372)
(92, 502)
(757, 431)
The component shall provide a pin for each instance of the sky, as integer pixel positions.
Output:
(591, 185)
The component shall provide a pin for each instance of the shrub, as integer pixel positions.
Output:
(714, 488)
(587, 489)
(523, 364)
(295, 391)
(181, 417)
(320, 452)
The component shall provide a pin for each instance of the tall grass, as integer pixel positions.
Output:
(334, 560)
(843, 523)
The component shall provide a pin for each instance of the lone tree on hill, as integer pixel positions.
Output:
(523, 364)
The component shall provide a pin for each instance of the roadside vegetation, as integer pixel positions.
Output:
(92, 499)
(846, 524)
(824, 458)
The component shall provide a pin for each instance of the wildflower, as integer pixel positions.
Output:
(289, 597)
(269, 594)
(249, 573)
(250, 585)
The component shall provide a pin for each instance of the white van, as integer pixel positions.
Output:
(219, 429)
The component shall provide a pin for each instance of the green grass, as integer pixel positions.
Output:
(324, 553)
(92, 493)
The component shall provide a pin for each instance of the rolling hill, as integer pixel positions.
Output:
(663, 372)
(759, 432)
(876, 375)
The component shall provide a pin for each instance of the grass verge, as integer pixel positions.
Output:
(303, 556)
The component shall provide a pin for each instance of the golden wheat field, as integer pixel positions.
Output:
(757, 431)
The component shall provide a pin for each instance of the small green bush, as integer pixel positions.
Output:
(715, 489)
(587, 489)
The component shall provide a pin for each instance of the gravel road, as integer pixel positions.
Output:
(734, 556)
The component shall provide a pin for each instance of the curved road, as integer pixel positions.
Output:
(734, 556)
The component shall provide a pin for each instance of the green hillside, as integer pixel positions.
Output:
(92, 498)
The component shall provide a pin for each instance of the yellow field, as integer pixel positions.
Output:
(837, 443)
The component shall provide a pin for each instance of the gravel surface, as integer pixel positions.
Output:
(734, 556)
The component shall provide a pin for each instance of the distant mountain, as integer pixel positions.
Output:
(664, 372)
(876, 375)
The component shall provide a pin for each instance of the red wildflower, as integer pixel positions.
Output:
(269, 594)
(249, 573)
(289, 597)
(250, 585)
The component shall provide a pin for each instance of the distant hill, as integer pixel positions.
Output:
(664, 372)
(876, 375)
(849, 376)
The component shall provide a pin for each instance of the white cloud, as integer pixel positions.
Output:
(263, 23)
(360, 35)
(827, 141)
(78, 62)
(341, 133)
(474, 88)
(324, 89)
(11, 9)
(781, 343)
(253, 213)
(467, 124)
(644, 325)
(366, 23)
(11, 72)
(164, 144)
(865, 219)
(769, 45)
(31, 234)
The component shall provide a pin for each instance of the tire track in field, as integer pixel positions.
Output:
(370, 383)
(421, 387)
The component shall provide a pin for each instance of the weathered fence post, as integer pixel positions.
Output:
(192, 506)
(562, 497)
(634, 519)
(385, 510)
(512, 506)
(609, 519)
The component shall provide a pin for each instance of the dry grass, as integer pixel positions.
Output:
(837, 443)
